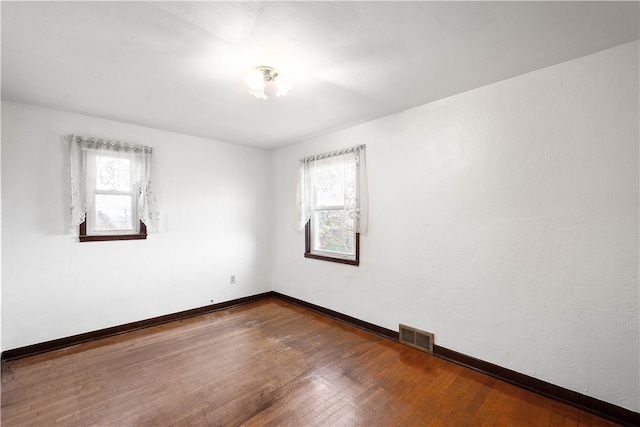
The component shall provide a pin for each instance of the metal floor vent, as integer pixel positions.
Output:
(416, 338)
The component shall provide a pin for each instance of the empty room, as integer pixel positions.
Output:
(351, 213)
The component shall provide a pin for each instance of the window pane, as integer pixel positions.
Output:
(335, 183)
(113, 173)
(334, 232)
(113, 212)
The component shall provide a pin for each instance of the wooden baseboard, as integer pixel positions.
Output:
(595, 406)
(31, 350)
(360, 324)
(586, 403)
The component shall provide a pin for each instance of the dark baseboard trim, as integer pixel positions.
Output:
(595, 406)
(360, 324)
(586, 403)
(59, 343)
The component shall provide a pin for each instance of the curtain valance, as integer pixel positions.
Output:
(342, 152)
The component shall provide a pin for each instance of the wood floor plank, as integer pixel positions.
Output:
(267, 363)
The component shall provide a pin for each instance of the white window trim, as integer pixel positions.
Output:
(91, 156)
(315, 231)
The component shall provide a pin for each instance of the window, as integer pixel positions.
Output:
(331, 205)
(112, 197)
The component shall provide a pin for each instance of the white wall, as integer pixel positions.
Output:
(1, 347)
(215, 196)
(504, 220)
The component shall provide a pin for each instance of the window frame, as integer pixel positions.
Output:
(310, 238)
(309, 254)
(314, 232)
(311, 181)
(86, 233)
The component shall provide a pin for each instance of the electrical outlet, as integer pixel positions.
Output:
(232, 279)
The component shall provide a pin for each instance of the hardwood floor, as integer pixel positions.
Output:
(267, 363)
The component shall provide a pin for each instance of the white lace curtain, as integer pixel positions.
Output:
(314, 178)
(143, 177)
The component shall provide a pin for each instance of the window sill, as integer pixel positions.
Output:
(84, 237)
(112, 237)
(330, 259)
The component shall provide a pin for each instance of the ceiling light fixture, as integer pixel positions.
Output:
(258, 78)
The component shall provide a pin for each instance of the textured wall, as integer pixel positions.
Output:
(52, 286)
(504, 220)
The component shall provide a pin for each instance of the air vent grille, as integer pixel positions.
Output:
(407, 335)
(416, 338)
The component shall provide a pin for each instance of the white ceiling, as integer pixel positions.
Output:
(180, 66)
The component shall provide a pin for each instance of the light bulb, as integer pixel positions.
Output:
(255, 80)
(283, 86)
